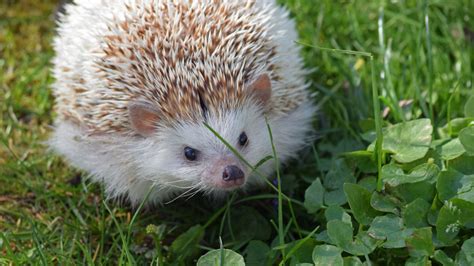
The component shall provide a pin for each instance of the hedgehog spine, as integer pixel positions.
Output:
(192, 61)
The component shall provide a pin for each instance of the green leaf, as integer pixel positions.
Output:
(418, 261)
(369, 182)
(313, 196)
(457, 124)
(414, 213)
(359, 201)
(256, 253)
(363, 244)
(340, 234)
(420, 243)
(302, 253)
(463, 164)
(455, 214)
(461, 259)
(384, 203)
(335, 197)
(248, 224)
(389, 228)
(323, 237)
(186, 244)
(337, 213)
(369, 136)
(352, 261)
(466, 136)
(408, 141)
(394, 175)
(465, 256)
(364, 160)
(219, 257)
(468, 250)
(451, 149)
(452, 184)
(327, 255)
(410, 192)
(442, 258)
(469, 107)
(334, 180)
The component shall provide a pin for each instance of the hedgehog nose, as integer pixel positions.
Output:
(232, 172)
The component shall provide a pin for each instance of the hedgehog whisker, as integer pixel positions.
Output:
(170, 184)
(187, 192)
(179, 196)
(174, 186)
(197, 191)
(190, 193)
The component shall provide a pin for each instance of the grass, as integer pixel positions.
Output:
(416, 52)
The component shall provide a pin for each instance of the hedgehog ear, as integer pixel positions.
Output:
(143, 118)
(261, 88)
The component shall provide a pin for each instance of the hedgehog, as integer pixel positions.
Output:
(139, 84)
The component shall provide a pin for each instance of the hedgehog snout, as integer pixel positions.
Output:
(232, 173)
(232, 177)
(225, 173)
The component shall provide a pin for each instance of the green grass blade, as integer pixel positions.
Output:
(378, 125)
(297, 246)
(430, 63)
(342, 51)
(125, 247)
(37, 241)
(281, 235)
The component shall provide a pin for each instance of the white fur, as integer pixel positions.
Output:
(129, 165)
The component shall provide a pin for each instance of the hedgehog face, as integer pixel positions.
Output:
(189, 156)
(195, 156)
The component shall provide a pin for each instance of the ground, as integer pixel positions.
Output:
(408, 200)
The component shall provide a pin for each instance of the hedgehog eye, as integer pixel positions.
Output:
(243, 139)
(190, 153)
